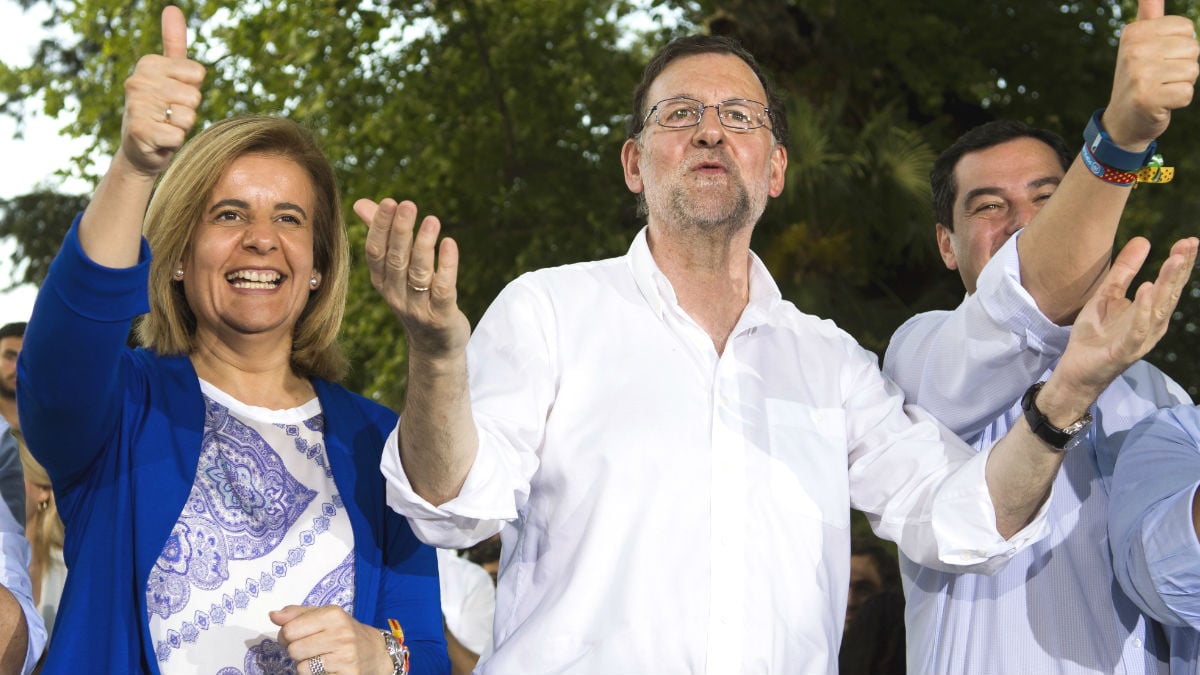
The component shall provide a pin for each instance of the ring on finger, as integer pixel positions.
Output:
(316, 665)
(169, 113)
(416, 287)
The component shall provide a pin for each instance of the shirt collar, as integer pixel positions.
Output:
(656, 288)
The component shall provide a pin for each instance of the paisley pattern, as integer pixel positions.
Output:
(269, 657)
(336, 588)
(242, 504)
(263, 507)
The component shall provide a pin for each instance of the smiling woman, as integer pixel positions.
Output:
(232, 485)
(273, 208)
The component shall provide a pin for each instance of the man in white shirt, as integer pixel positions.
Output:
(1056, 607)
(669, 449)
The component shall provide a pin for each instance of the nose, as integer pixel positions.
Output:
(709, 132)
(1021, 216)
(260, 236)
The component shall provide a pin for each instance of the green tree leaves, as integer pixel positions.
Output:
(506, 120)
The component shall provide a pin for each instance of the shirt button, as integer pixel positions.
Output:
(1137, 643)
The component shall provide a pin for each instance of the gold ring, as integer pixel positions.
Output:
(419, 289)
(169, 113)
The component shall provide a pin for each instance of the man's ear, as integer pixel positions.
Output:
(946, 246)
(778, 170)
(631, 154)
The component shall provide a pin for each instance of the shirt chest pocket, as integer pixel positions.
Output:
(808, 460)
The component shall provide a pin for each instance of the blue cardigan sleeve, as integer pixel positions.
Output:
(409, 589)
(403, 571)
(411, 595)
(71, 391)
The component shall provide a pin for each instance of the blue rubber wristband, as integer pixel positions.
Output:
(1110, 154)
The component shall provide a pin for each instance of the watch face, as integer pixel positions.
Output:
(1075, 427)
(398, 653)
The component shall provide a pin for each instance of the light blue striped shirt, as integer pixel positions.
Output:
(1155, 551)
(1056, 607)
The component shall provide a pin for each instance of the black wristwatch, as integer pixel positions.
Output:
(1061, 439)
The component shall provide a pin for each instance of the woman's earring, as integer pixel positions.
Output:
(314, 282)
(178, 275)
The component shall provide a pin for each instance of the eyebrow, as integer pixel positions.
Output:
(281, 206)
(989, 190)
(698, 99)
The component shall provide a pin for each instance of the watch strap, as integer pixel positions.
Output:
(1060, 439)
(1108, 153)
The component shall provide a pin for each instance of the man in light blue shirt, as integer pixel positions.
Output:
(1055, 608)
(1153, 526)
(22, 631)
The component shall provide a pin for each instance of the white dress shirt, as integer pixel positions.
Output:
(14, 575)
(1056, 607)
(665, 509)
(468, 600)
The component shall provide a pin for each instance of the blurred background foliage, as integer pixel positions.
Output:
(505, 119)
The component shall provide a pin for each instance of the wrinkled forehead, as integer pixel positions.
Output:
(1017, 165)
(709, 78)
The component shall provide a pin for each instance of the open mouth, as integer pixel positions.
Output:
(255, 279)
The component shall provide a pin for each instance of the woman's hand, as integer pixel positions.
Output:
(343, 645)
(161, 97)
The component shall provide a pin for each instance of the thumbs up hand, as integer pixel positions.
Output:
(161, 97)
(1155, 74)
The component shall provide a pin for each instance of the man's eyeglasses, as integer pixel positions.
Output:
(739, 114)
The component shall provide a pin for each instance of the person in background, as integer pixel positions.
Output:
(486, 554)
(22, 631)
(469, 606)
(874, 642)
(44, 530)
(872, 571)
(223, 506)
(12, 485)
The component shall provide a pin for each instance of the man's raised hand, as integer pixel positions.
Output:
(1155, 74)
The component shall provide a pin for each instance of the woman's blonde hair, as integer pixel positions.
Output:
(45, 531)
(178, 205)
